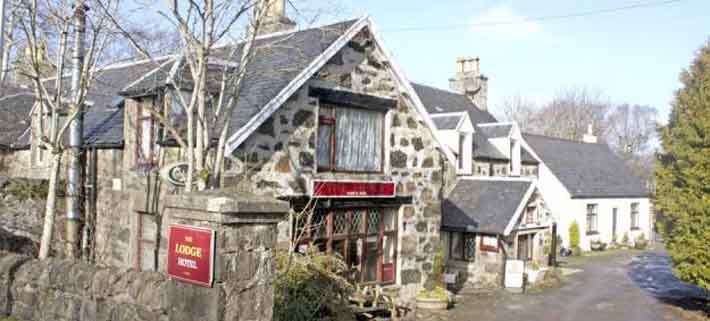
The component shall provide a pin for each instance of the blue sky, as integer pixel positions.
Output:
(632, 56)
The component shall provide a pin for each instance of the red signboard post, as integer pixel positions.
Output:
(191, 254)
(353, 189)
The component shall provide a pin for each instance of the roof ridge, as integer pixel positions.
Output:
(283, 33)
(560, 138)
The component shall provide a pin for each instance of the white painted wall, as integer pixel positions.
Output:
(605, 219)
(565, 210)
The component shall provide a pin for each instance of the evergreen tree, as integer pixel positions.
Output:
(683, 174)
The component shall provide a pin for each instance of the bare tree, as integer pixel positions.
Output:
(36, 19)
(628, 129)
(631, 131)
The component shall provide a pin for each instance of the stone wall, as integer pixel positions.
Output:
(279, 158)
(56, 290)
(484, 272)
(245, 226)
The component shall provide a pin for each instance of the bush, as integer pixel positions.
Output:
(311, 287)
(438, 293)
(437, 271)
(574, 235)
(625, 239)
(641, 243)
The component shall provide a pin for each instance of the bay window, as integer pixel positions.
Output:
(366, 239)
(350, 139)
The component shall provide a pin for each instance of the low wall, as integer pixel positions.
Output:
(245, 226)
(60, 290)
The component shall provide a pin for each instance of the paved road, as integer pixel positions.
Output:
(619, 287)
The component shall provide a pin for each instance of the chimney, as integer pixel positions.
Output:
(469, 81)
(275, 19)
(589, 136)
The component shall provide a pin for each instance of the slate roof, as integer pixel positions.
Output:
(446, 122)
(484, 149)
(587, 170)
(15, 107)
(437, 101)
(495, 131)
(526, 156)
(276, 63)
(484, 206)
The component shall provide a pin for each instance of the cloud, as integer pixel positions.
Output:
(503, 24)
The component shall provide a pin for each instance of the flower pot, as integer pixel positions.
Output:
(432, 303)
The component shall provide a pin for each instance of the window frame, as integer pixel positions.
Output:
(331, 121)
(635, 216)
(351, 239)
(593, 213)
(464, 238)
(138, 158)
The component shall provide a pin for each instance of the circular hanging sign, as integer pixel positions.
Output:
(175, 174)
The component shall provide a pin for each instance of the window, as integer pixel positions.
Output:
(592, 218)
(525, 247)
(531, 215)
(462, 139)
(350, 139)
(462, 246)
(634, 216)
(365, 238)
(146, 129)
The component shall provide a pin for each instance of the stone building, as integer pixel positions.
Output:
(495, 211)
(335, 129)
(374, 168)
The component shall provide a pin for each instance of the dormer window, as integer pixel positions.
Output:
(350, 139)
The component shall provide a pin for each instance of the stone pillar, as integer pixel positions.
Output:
(246, 230)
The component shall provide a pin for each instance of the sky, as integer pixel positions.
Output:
(631, 56)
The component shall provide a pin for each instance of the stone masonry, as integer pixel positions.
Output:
(279, 158)
(245, 226)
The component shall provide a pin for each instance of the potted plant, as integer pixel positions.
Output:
(597, 245)
(434, 295)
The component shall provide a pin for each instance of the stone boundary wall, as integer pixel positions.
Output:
(60, 290)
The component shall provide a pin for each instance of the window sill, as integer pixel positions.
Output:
(592, 232)
(635, 228)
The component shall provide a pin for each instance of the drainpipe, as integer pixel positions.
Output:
(76, 135)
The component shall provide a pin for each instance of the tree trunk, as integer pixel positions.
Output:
(51, 207)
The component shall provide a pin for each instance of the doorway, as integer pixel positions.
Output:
(614, 214)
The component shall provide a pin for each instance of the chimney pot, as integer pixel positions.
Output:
(589, 136)
(275, 19)
(469, 81)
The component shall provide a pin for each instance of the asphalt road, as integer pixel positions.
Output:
(623, 287)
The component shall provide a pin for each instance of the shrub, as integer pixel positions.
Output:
(437, 292)
(310, 286)
(641, 243)
(574, 235)
(625, 239)
(437, 270)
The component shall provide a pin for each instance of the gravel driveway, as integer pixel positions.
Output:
(623, 287)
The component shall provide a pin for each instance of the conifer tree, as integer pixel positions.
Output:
(683, 174)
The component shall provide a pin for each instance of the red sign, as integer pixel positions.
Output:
(353, 189)
(191, 254)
